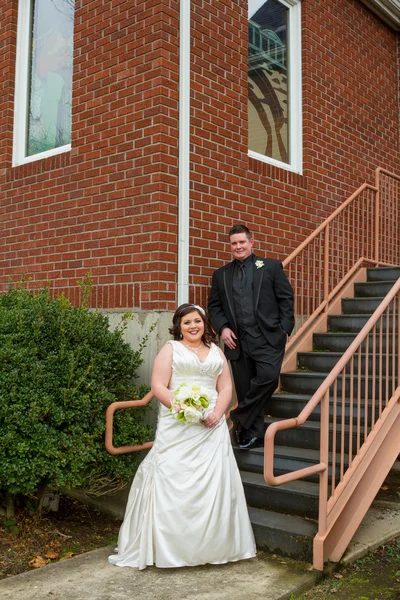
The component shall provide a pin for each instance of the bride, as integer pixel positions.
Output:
(186, 506)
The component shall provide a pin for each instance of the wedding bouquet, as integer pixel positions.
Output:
(190, 403)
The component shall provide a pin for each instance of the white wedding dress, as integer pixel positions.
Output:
(186, 506)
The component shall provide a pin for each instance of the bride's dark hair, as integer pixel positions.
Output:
(183, 310)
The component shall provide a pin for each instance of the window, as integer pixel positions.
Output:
(43, 91)
(274, 82)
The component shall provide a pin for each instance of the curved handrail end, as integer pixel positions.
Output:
(108, 442)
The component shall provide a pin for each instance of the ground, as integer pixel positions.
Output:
(27, 543)
(375, 577)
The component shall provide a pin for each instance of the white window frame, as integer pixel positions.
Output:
(21, 100)
(295, 163)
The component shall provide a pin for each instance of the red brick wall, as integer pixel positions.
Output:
(110, 205)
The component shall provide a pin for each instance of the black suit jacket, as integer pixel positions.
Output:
(273, 302)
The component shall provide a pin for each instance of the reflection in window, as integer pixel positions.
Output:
(50, 77)
(268, 79)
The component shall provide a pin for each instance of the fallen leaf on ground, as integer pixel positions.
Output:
(52, 555)
(37, 562)
(68, 555)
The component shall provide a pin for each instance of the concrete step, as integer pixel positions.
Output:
(354, 323)
(333, 342)
(306, 435)
(286, 459)
(323, 362)
(360, 305)
(298, 382)
(373, 288)
(283, 534)
(286, 406)
(336, 342)
(383, 274)
(298, 498)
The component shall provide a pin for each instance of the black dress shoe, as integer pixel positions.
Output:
(252, 442)
(240, 434)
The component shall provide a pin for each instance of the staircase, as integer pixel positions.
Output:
(284, 517)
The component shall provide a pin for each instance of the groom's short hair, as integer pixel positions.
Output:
(240, 229)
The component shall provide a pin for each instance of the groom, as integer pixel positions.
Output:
(251, 308)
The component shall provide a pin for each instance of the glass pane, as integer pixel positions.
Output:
(268, 79)
(50, 78)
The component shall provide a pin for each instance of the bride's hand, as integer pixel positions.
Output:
(212, 420)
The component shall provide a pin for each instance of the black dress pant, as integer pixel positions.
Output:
(256, 375)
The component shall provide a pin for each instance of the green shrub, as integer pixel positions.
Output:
(60, 368)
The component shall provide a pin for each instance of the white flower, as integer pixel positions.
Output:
(183, 392)
(198, 392)
(192, 415)
(259, 264)
(195, 393)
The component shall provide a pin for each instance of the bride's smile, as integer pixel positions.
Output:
(192, 328)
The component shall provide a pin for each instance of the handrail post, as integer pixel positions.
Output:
(377, 211)
(326, 263)
(324, 458)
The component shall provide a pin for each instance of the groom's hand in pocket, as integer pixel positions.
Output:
(229, 338)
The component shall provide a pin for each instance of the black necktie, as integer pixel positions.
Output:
(241, 273)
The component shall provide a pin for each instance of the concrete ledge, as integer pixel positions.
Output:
(380, 525)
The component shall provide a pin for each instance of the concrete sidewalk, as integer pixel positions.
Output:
(90, 577)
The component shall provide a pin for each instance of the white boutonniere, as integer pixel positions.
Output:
(259, 264)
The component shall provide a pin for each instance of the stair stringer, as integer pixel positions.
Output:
(355, 494)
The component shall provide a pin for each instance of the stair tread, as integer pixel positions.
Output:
(299, 486)
(338, 333)
(297, 453)
(300, 398)
(306, 373)
(310, 374)
(291, 452)
(288, 395)
(350, 316)
(311, 425)
(282, 522)
(364, 298)
(376, 282)
(322, 353)
(330, 353)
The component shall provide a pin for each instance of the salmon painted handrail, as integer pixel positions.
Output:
(109, 425)
(361, 228)
(324, 225)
